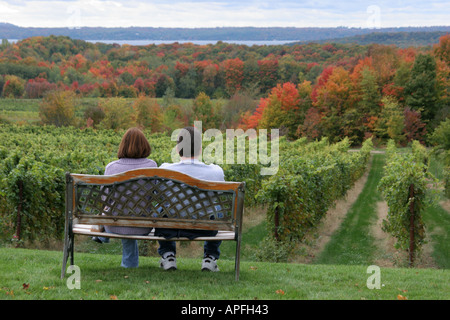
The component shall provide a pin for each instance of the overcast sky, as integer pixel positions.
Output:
(220, 13)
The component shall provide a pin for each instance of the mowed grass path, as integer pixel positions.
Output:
(352, 243)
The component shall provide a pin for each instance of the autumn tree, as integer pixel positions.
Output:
(414, 127)
(37, 88)
(311, 127)
(14, 87)
(268, 73)
(442, 50)
(234, 74)
(282, 109)
(368, 104)
(252, 120)
(384, 61)
(108, 89)
(334, 100)
(209, 75)
(235, 108)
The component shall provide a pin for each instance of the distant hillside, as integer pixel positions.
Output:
(9, 31)
(400, 39)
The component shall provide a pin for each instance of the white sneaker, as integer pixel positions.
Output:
(168, 261)
(210, 264)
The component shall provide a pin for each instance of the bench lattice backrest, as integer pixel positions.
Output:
(157, 198)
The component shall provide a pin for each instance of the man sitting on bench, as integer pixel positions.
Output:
(189, 147)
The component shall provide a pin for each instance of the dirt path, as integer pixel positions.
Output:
(446, 205)
(316, 241)
(388, 255)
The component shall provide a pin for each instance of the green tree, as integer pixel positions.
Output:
(187, 85)
(421, 90)
(390, 124)
(369, 105)
(204, 111)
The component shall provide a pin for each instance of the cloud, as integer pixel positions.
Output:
(219, 13)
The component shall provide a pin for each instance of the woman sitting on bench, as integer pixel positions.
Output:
(133, 152)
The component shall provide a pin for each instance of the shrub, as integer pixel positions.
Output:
(118, 114)
(95, 113)
(13, 87)
(37, 88)
(148, 113)
(58, 108)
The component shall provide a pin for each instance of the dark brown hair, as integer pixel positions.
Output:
(134, 144)
(189, 142)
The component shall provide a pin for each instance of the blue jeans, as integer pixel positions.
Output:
(211, 248)
(130, 253)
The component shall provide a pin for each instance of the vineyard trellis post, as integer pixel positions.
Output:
(19, 210)
(277, 223)
(411, 225)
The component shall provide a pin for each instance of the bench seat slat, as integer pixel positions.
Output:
(85, 229)
(161, 223)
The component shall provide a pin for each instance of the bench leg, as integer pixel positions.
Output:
(71, 249)
(238, 258)
(68, 251)
(65, 255)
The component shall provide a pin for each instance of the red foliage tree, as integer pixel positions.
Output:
(414, 128)
(268, 73)
(139, 85)
(311, 127)
(253, 120)
(234, 74)
(321, 81)
(36, 88)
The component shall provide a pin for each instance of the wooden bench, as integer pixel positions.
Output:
(154, 198)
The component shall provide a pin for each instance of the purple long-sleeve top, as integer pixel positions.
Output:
(122, 165)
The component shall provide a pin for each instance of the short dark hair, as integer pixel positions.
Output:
(193, 145)
(134, 144)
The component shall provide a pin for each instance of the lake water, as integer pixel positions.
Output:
(198, 42)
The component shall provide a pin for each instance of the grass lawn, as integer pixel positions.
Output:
(35, 274)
